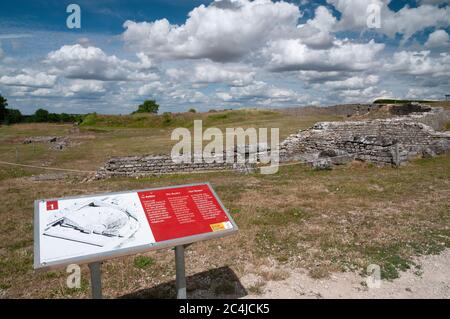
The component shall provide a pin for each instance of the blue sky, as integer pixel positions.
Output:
(220, 54)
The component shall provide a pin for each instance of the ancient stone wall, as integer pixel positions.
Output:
(136, 166)
(382, 141)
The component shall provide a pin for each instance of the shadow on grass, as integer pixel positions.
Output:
(216, 283)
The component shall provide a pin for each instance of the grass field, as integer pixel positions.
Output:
(322, 221)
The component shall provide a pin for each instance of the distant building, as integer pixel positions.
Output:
(447, 97)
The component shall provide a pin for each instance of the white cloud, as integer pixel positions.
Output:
(289, 55)
(438, 38)
(91, 63)
(316, 32)
(406, 21)
(354, 12)
(70, 88)
(84, 87)
(42, 92)
(223, 31)
(85, 42)
(217, 73)
(419, 63)
(366, 95)
(224, 96)
(187, 96)
(151, 89)
(206, 72)
(321, 76)
(259, 93)
(352, 83)
(29, 79)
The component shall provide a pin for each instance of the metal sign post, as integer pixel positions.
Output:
(96, 280)
(180, 272)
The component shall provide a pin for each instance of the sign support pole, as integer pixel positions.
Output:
(180, 272)
(96, 280)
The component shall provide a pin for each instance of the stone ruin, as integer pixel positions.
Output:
(136, 166)
(392, 141)
(56, 142)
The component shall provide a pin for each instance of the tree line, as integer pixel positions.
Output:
(13, 116)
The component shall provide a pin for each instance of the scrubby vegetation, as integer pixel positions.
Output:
(167, 119)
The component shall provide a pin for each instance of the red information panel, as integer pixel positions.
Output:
(182, 212)
(88, 228)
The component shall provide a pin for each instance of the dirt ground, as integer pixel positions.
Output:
(429, 279)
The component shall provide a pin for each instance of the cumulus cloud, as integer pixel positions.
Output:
(79, 89)
(316, 32)
(29, 79)
(420, 63)
(85, 87)
(438, 38)
(187, 96)
(224, 31)
(290, 55)
(151, 89)
(91, 63)
(259, 93)
(406, 21)
(352, 83)
(43, 92)
(207, 72)
(215, 73)
(368, 95)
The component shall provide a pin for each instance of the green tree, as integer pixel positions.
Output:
(3, 105)
(13, 116)
(149, 106)
(41, 115)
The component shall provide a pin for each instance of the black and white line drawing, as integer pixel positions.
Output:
(100, 223)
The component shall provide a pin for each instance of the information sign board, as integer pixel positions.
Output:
(95, 228)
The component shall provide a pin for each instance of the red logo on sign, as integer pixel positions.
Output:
(52, 205)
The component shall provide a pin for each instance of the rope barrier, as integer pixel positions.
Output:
(92, 172)
(46, 168)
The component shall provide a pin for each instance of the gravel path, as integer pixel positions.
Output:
(433, 281)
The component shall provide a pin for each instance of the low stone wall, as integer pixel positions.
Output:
(136, 166)
(383, 141)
